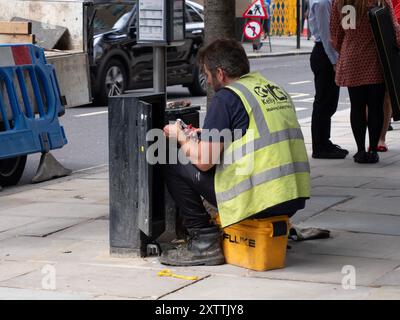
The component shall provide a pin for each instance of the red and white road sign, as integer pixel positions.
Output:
(252, 30)
(256, 10)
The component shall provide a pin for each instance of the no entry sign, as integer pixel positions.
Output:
(252, 30)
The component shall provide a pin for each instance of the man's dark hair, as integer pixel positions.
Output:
(227, 54)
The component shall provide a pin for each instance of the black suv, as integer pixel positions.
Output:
(120, 64)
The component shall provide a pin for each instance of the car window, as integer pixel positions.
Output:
(193, 14)
(111, 17)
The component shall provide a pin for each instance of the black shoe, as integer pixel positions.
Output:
(202, 248)
(373, 157)
(336, 147)
(366, 157)
(331, 152)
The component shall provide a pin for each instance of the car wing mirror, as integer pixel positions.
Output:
(132, 32)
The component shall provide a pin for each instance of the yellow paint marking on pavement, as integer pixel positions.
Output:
(168, 273)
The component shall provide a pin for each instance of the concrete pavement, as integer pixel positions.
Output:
(54, 240)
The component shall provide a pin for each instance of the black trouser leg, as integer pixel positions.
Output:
(326, 98)
(186, 185)
(361, 97)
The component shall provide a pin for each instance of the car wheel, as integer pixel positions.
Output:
(11, 170)
(112, 82)
(199, 85)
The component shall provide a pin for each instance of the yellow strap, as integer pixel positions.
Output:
(168, 273)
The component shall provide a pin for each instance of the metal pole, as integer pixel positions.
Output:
(159, 73)
(298, 18)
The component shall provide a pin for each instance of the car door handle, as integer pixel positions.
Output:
(197, 31)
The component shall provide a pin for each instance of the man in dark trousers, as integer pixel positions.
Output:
(323, 63)
(251, 159)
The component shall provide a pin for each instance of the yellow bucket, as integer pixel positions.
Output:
(257, 244)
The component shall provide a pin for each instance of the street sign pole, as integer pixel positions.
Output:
(159, 68)
(298, 22)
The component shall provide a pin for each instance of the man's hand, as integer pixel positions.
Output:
(174, 131)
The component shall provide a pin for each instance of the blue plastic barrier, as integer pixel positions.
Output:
(30, 102)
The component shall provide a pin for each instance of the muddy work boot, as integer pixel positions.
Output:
(203, 247)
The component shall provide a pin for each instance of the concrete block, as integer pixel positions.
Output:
(378, 204)
(356, 222)
(328, 269)
(45, 227)
(245, 288)
(388, 184)
(352, 182)
(352, 244)
(344, 192)
(12, 269)
(31, 248)
(315, 205)
(11, 222)
(101, 280)
(29, 294)
(97, 230)
(60, 210)
(390, 279)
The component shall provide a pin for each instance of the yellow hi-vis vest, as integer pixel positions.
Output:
(269, 164)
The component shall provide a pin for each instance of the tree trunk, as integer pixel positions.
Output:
(219, 23)
(219, 19)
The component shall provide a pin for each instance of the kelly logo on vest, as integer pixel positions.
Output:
(270, 93)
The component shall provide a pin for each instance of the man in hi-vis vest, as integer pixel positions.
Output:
(250, 161)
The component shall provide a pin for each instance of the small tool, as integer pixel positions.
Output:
(168, 273)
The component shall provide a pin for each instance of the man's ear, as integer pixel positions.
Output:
(220, 75)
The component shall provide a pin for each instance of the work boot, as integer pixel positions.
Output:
(203, 247)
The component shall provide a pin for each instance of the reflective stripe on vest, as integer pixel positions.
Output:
(263, 177)
(266, 137)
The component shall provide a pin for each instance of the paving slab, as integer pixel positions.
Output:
(9, 203)
(80, 252)
(31, 248)
(390, 279)
(378, 204)
(11, 222)
(315, 205)
(352, 244)
(45, 227)
(244, 288)
(12, 269)
(59, 210)
(356, 222)
(106, 281)
(349, 168)
(29, 294)
(221, 270)
(385, 293)
(328, 269)
(345, 192)
(48, 194)
(387, 183)
(348, 182)
(97, 230)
